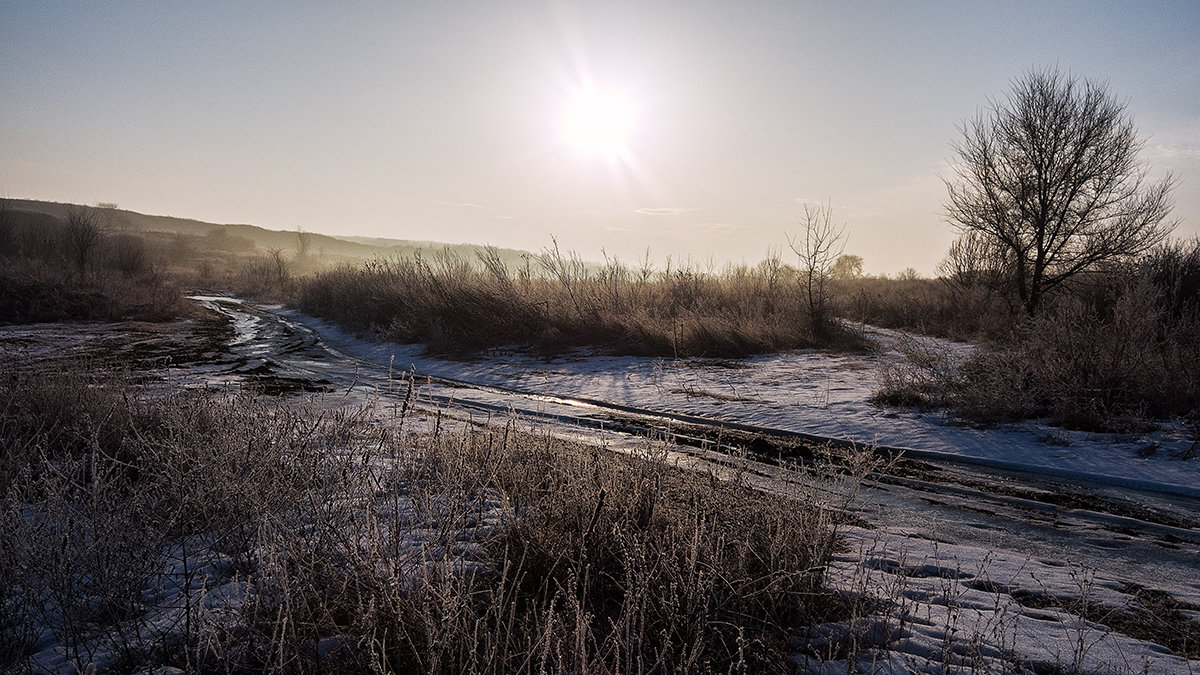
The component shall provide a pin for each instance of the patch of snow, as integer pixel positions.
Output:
(958, 608)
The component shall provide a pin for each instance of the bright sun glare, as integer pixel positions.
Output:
(599, 122)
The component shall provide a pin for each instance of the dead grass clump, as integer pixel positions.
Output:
(61, 415)
(638, 564)
(106, 490)
(925, 376)
(541, 555)
(556, 302)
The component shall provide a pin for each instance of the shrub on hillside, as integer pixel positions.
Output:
(60, 271)
(32, 292)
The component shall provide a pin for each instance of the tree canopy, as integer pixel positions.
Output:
(1050, 179)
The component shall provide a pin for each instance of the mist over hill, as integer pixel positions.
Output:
(321, 245)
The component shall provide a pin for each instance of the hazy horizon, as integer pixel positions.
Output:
(466, 123)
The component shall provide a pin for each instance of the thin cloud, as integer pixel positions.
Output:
(716, 229)
(469, 205)
(664, 211)
(704, 230)
(1178, 150)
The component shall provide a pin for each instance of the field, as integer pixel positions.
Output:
(565, 467)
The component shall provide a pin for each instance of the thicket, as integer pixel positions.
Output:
(934, 307)
(222, 533)
(1058, 217)
(555, 302)
(1116, 348)
(55, 270)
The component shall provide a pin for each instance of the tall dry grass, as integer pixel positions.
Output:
(931, 307)
(555, 302)
(216, 532)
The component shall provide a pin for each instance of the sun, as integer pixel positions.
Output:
(599, 122)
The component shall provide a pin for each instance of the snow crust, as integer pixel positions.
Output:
(966, 609)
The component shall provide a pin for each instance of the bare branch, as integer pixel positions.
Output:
(83, 235)
(817, 252)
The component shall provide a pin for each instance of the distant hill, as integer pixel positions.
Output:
(336, 247)
(512, 256)
(387, 242)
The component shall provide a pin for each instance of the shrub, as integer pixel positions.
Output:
(935, 307)
(33, 292)
(1112, 354)
(74, 270)
(925, 375)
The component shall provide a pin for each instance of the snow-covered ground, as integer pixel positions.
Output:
(808, 391)
(946, 604)
(958, 608)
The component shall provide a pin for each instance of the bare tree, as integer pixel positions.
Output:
(303, 243)
(83, 235)
(277, 266)
(1051, 176)
(847, 266)
(817, 250)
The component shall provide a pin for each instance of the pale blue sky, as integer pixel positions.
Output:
(440, 120)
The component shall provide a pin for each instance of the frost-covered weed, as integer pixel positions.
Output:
(214, 531)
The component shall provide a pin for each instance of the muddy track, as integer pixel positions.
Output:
(966, 497)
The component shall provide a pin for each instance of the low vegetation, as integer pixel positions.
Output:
(1117, 350)
(220, 532)
(555, 301)
(921, 306)
(52, 270)
(1108, 350)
